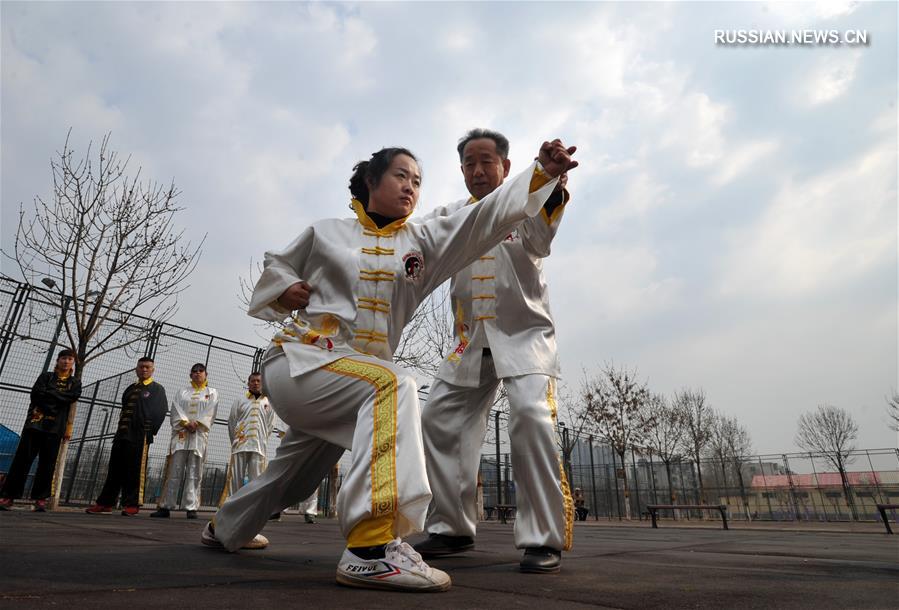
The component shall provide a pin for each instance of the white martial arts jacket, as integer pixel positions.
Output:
(367, 281)
(192, 404)
(250, 423)
(501, 301)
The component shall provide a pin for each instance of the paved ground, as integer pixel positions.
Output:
(77, 560)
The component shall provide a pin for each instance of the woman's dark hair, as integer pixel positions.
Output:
(369, 173)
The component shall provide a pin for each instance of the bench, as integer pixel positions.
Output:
(883, 508)
(654, 508)
(504, 512)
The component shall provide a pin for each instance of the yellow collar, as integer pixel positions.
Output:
(369, 224)
(63, 376)
(198, 387)
(147, 381)
(250, 395)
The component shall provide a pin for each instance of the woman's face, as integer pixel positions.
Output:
(397, 192)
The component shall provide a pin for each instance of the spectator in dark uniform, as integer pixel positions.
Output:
(51, 396)
(144, 406)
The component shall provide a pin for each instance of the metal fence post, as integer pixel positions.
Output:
(11, 323)
(636, 483)
(876, 479)
(593, 481)
(796, 515)
(499, 485)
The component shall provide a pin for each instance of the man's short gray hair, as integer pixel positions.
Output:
(502, 144)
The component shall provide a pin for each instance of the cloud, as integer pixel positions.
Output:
(806, 13)
(818, 233)
(743, 158)
(830, 78)
(619, 283)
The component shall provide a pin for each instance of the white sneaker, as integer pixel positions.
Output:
(401, 569)
(208, 538)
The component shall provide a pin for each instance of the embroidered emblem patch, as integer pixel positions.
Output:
(146, 394)
(414, 265)
(513, 236)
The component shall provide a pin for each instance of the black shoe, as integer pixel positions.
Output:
(541, 559)
(160, 513)
(275, 517)
(309, 518)
(191, 514)
(440, 545)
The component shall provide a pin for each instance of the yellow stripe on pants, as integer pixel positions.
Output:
(383, 451)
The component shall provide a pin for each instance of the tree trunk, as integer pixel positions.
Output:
(699, 477)
(627, 495)
(59, 469)
(847, 491)
(672, 495)
(743, 492)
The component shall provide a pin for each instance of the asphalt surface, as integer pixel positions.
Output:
(75, 560)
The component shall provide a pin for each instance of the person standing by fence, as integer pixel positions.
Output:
(191, 416)
(143, 411)
(52, 394)
(250, 423)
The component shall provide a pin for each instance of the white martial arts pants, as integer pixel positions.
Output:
(245, 466)
(454, 422)
(187, 466)
(309, 506)
(360, 403)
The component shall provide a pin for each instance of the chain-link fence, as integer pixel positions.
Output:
(31, 335)
(798, 486)
(781, 487)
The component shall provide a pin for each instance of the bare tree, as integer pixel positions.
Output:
(106, 240)
(615, 401)
(717, 445)
(739, 446)
(427, 338)
(574, 423)
(831, 432)
(893, 411)
(697, 417)
(729, 444)
(664, 435)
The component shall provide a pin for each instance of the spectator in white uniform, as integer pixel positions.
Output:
(191, 415)
(250, 423)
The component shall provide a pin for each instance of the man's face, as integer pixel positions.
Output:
(398, 191)
(482, 167)
(254, 384)
(198, 376)
(65, 364)
(145, 370)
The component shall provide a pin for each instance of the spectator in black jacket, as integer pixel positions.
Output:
(143, 410)
(51, 396)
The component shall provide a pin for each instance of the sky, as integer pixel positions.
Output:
(733, 223)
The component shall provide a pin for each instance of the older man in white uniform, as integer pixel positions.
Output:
(503, 332)
(250, 423)
(192, 413)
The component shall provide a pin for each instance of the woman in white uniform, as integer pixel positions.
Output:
(346, 289)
